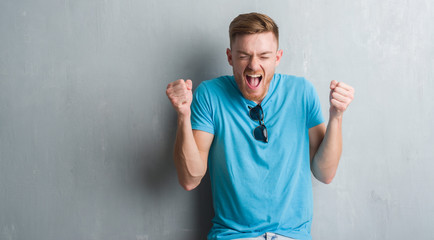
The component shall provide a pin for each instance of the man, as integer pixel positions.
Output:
(261, 134)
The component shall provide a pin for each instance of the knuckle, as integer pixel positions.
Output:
(169, 91)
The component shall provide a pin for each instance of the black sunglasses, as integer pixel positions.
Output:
(260, 133)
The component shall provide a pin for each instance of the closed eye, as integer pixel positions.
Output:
(265, 56)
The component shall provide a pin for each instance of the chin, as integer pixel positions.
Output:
(253, 97)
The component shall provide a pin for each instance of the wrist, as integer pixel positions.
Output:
(335, 114)
(184, 116)
(335, 119)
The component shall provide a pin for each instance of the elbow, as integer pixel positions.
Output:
(325, 176)
(190, 181)
(188, 187)
(324, 179)
(327, 180)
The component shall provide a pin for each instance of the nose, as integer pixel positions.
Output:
(254, 64)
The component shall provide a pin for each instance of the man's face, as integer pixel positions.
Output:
(253, 58)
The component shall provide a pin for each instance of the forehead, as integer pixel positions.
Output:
(256, 42)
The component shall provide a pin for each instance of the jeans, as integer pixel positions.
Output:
(268, 236)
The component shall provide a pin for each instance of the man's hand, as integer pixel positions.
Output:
(180, 95)
(341, 96)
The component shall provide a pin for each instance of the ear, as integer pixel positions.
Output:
(278, 56)
(229, 54)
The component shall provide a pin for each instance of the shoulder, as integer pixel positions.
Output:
(209, 95)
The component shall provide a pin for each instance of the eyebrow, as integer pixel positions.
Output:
(263, 53)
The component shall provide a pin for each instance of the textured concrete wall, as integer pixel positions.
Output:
(86, 131)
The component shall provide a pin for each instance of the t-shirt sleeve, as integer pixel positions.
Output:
(314, 113)
(201, 111)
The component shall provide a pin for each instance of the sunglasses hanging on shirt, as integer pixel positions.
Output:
(257, 114)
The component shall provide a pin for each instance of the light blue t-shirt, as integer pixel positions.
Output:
(259, 187)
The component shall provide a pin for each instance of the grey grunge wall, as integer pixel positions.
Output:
(87, 132)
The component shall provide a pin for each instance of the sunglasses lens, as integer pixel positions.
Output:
(256, 113)
(260, 133)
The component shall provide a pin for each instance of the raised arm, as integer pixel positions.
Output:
(191, 146)
(326, 144)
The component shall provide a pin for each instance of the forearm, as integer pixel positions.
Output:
(326, 160)
(190, 166)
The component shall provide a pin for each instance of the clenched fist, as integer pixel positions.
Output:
(180, 95)
(341, 96)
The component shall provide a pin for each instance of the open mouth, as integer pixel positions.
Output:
(253, 80)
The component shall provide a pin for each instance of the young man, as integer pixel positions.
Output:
(261, 134)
